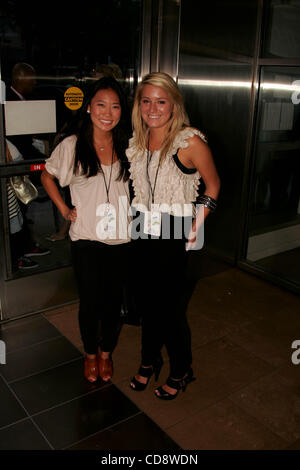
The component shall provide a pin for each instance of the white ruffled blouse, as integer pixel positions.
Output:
(175, 191)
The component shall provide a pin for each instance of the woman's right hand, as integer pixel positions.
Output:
(51, 188)
(70, 214)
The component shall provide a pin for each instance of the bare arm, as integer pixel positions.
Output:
(198, 155)
(52, 190)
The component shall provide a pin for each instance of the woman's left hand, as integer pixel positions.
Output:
(193, 242)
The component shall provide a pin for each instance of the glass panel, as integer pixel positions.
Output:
(217, 98)
(215, 79)
(31, 227)
(46, 67)
(39, 67)
(274, 223)
(218, 27)
(282, 38)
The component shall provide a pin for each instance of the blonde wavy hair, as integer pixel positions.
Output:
(178, 120)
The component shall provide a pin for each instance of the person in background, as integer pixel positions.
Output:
(93, 163)
(23, 81)
(23, 247)
(167, 159)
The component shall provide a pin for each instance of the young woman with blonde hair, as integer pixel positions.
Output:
(167, 160)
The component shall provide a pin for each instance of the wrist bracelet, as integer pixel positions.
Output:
(208, 202)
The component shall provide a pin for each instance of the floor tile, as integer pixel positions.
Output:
(26, 332)
(126, 356)
(84, 416)
(224, 426)
(65, 319)
(294, 446)
(272, 344)
(69, 307)
(38, 357)
(10, 409)
(220, 368)
(136, 433)
(246, 393)
(206, 329)
(274, 401)
(53, 387)
(216, 301)
(226, 366)
(238, 297)
(22, 436)
(201, 264)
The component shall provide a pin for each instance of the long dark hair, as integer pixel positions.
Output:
(85, 153)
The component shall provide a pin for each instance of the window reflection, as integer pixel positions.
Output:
(283, 33)
(46, 68)
(274, 225)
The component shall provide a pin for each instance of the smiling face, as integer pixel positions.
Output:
(156, 107)
(105, 110)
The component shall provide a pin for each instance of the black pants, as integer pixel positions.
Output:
(161, 265)
(100, 270)
(21, 242)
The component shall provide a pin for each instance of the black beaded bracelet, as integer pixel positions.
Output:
(208, 202)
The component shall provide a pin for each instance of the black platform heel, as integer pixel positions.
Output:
(176, 384)
(146, 372)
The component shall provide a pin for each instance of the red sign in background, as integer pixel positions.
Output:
(37, 167)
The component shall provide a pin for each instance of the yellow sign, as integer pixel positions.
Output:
(73, 98)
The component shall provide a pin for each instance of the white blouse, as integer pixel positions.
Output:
(175, 191)
(89, 196)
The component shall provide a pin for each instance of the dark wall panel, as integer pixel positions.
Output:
(215, 73)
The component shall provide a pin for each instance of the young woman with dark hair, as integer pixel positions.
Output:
(93, 163)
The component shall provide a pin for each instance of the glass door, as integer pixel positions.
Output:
(44, 77)
(274, 212)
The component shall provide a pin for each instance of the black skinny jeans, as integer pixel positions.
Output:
(161, 265)
(100, 270)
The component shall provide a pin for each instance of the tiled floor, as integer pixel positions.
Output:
(45, 403)
(246, 394)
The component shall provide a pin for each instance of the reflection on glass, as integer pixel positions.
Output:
(29, 123)
(214, 83)
(39, 67)
(45, 77)
(217, 27)
(274, 225)
(30, 226)
(282, 31)
(34, 225)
